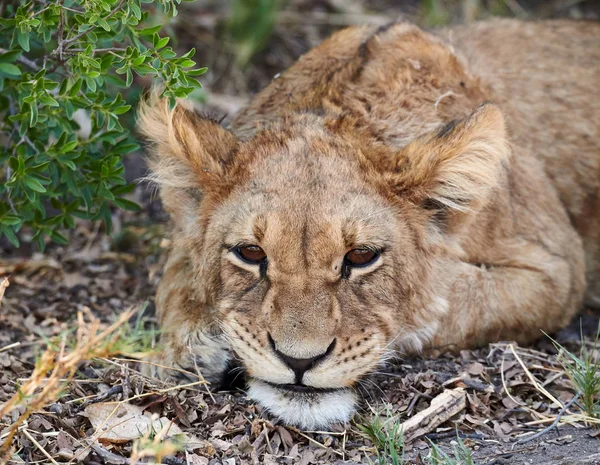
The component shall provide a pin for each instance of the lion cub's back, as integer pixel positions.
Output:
(548, 74)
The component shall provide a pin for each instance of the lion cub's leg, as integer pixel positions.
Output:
(191, 340)
(513, 297)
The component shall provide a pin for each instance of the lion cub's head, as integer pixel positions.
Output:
(315, 244)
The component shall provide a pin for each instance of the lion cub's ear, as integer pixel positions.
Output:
(188, 156)
(455, 171)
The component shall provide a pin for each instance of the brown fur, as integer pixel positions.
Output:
(472, 162)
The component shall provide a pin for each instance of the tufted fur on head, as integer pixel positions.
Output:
(189, 154)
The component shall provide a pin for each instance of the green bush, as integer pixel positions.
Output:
(59, 58)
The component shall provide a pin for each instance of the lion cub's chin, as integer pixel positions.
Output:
(308, 410)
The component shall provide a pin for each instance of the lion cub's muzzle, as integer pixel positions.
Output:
(304, 378)
(300, 365)
(300, 403)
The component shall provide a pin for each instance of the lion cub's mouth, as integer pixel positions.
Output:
(304, 406)
(301, 388)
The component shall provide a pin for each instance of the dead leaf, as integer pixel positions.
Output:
(286, 437)
(125, 422)
(194, 459)
(476, 369)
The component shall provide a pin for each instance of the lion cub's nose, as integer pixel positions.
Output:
(301, 365)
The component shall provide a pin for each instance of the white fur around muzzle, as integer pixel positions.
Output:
(308, 411)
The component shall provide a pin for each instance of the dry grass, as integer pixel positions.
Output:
(57, 366)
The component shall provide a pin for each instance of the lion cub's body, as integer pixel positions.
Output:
(482, 220)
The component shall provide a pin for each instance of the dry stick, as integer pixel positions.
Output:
(3, 285)
(534, 413)
(148, 362)
(10, 346)
(532, 378)
(554, 423)
(109, 457)
(574, 418)
(553, 378)
(314, 441)
(39, 446)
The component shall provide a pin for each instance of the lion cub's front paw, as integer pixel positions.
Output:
(202, 356)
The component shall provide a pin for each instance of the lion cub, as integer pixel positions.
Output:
(393, 190)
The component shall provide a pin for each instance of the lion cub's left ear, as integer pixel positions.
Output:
(455, 171)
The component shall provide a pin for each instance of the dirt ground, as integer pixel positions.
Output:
(504, 385)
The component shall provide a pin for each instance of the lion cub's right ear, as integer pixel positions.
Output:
(188, 155)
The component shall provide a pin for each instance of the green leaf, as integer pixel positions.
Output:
(9, 70)
(197, 72)
(34, 184)
(39, 242)
(11, 220)
(137, 12)
(143, 69)
(68, 147)
(104, 24)
(33, 115)
(76, 86)
(69, 164)
(58, 237)
(48, 100)
(161, 43)
(10, 57)
(23, 39)
(122, 109)
(150, 30)
(187, 63)
(11, 236)
(90, 83)
(127, 205)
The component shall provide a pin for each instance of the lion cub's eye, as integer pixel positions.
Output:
(251, 254)
(360, 257)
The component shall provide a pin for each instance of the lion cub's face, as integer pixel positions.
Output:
(311, 289)
(312, 263)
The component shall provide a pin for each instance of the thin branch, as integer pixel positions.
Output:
(26, 61)
(72, 9)
(111, 49)
(94, 26)
(39, 446)
(554, 423)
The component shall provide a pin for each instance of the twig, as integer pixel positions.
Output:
(442, 408)
(534, 381)
(453, 434)
(110, 49)
(534, 413)
(554, 423)
(10, 346)
(125, 383)
(39, 446)
(314, 441)
(4, 283)
(82, 33)
(108, 457)
(108, 394)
